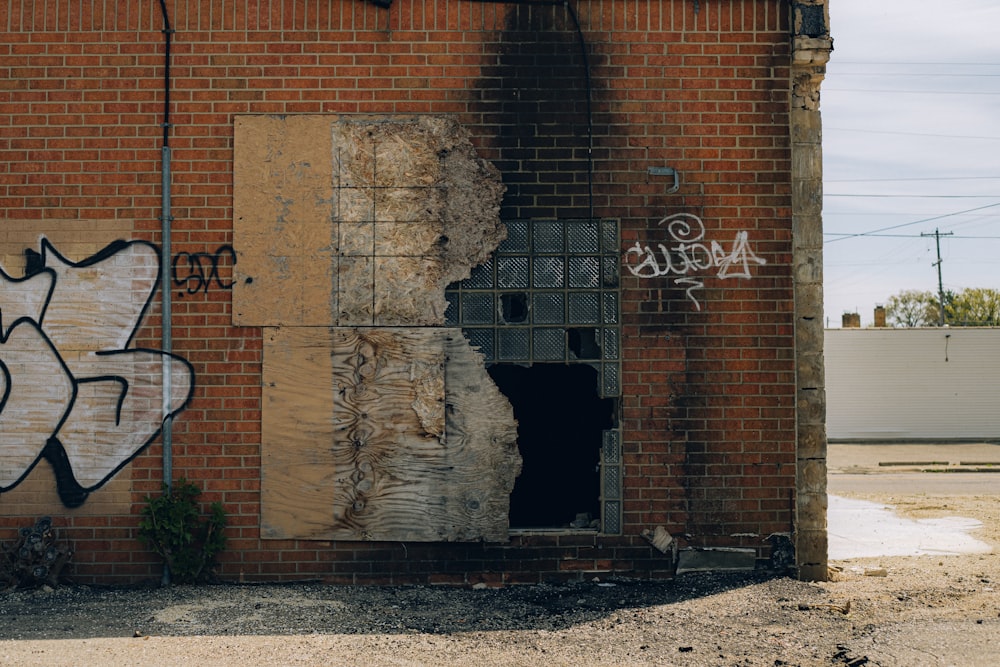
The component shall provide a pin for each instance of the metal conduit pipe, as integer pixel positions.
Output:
(166, 328)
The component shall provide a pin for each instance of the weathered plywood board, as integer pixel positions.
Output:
(284, 236)
(383, 434)
(357, 220)
(345, 225)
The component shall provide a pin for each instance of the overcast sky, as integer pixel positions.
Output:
(911, 143)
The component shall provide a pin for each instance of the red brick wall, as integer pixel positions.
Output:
(708, 382)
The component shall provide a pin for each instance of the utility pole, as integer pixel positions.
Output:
(937, 239)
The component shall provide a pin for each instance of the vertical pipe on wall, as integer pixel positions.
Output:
(166, 329)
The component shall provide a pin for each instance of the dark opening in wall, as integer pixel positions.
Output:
(560, 419)
(583, 343)
(514, 307)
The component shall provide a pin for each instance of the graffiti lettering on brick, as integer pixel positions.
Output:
(73, 388)
(198, 271)
(687, 254)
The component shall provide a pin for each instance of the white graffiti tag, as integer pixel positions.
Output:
(687, 252)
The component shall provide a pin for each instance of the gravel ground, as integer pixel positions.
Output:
(889, 611)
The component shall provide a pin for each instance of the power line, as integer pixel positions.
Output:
(904, 236)
(915, 62)
(886, 196)
(911, 92)
(910, 134)
(915, 222)
(950, 75)
(927, 178)
(829, 213)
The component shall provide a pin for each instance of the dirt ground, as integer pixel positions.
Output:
(926, 610)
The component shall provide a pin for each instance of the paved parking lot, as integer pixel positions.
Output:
(933, 469)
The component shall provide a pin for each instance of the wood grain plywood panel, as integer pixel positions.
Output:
(383, 434)
(357, 220)
(284, 235)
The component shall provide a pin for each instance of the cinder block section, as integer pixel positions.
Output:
(716, 560)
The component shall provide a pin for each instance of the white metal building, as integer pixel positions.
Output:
(937, 383)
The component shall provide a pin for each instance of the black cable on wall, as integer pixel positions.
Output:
(168, 33)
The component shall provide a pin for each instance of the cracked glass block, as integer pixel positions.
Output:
(583, 236)
(547, 236)
(609, 236)
(477, 308)
(512, 272)
(481, 339)
(549, 344)
(548, 272)
(584, 271)
(584, 307)
(547, 308)
(517, 237)
(610, 307)
(612, 446)
(513, 308)
(612, 517)
(610, 381)
(512, 344)
(609, 271)
(451, 312)
(609, 347)
(481, 278)
(612, 482)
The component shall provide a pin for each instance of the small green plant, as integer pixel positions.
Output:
(172, 526)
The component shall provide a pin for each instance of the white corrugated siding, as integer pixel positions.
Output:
(913, 383)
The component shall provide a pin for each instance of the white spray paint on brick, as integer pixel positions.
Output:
(687, 253)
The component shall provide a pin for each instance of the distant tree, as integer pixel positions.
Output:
(912, 308)
(973, 307)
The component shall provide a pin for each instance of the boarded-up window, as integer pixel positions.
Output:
(357, 221)
(545, 311)
(383, 434)
(377, 422)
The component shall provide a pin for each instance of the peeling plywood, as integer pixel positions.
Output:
(383, 434)
(357, 221)
(344, 226)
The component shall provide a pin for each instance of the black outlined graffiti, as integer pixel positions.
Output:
(74, 390)
(197, 271)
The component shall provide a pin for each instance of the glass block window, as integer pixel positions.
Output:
(550, 294)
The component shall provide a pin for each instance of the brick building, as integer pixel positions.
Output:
(458, 291)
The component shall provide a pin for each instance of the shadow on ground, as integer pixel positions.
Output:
(85, 612)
